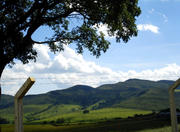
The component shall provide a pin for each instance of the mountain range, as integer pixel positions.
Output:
(133, 93)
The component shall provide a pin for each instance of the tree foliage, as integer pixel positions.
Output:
(3, 121)
(19, 19)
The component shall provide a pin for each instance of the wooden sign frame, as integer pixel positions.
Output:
(18, 101)
(174, 122)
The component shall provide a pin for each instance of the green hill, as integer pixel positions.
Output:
(132, 94)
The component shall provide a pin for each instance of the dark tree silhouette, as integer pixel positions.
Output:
(19, 19)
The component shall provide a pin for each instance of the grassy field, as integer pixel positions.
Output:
(101, 120)
(69, 113)
(129, 126)
(93, 115)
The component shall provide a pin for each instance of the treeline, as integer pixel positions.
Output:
(3, 121)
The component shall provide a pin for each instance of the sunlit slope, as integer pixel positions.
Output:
(132, 94)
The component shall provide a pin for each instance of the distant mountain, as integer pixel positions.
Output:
(133, 93)
(6, 101)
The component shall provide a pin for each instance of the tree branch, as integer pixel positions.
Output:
(27, 14)
(53, 41)
(44, 42)
(66, 14)
(40, 21)
(35, 7)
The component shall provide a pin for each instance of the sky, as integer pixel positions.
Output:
(152, 55)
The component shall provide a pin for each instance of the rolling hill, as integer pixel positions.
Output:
(133, 94)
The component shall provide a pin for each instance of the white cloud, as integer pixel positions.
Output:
(151, 11)
(68, 68)
(148, 27)
(165, 18)
(43, 53)
(159, 14)
(102, 28)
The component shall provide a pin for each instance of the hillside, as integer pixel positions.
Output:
(133, 94)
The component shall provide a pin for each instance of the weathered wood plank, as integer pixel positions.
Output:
(174, 122)
(25, 87)
(18, 101)
(19, 115)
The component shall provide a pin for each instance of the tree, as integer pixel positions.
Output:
(19, 19)
(60, 120)
(3, 121)
(85, 111)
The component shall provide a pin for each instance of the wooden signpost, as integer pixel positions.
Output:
(19, 104)
(174, 123)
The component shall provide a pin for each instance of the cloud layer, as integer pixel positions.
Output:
(67, 68)
(148, 27)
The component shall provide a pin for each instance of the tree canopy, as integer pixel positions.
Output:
(19, 19)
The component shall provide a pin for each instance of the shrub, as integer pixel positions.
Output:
(44, 122)
(3, 121)
(85, 111)
(52, 122)
(60, 120)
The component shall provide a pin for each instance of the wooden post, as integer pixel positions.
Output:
(19, 104)
(174, 123)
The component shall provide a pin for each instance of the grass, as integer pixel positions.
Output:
(163, 129)
(97, 115)
(69, 113)
(34, 108)
(57, 110)
(7, 113)
(177, 90)
(135, 126)
(101, 120)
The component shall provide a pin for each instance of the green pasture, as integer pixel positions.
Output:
(69, 113)
(57, 110)
(177, 90)
(134, 126)
(96, 115)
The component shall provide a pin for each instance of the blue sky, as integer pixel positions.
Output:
(149, 49)
(152, 55)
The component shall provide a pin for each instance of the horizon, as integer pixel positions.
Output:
(152, 55)
(91, 86)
